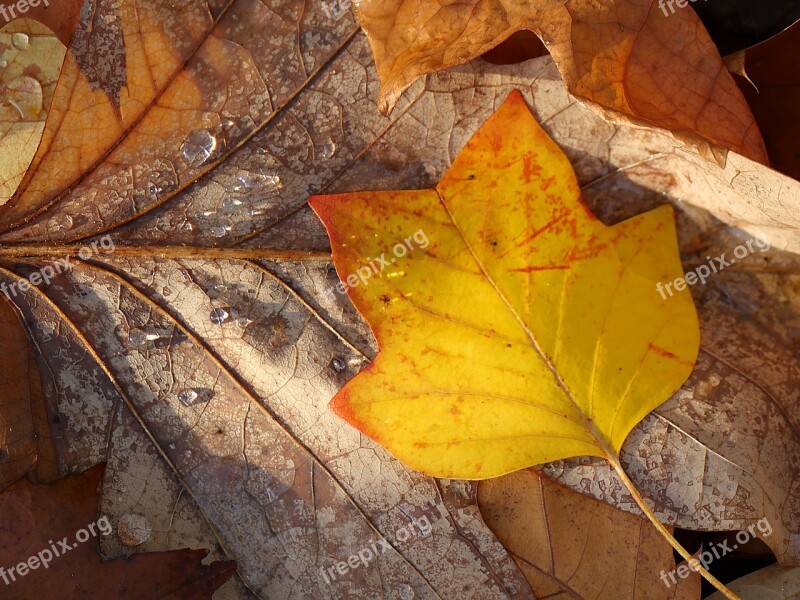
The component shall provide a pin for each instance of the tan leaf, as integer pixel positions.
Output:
(31, 60)
(571, 546)
(770, 583)
(631, 56)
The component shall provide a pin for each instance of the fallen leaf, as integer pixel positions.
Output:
(507, 385)
(572, 546)
(27, 81)
(288, 489)
(628, 56)
(24, 434)
(65, 511)
(200, 377)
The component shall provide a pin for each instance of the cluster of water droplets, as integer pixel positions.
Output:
(23, 92)
(229, 314)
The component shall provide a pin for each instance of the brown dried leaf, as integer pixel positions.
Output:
(37, 567)
(571, 546)
(24, 436)
(630, 56)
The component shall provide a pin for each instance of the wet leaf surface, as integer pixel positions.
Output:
(216, 429)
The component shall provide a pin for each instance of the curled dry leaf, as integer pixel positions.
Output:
(572, 546)
(629, 56)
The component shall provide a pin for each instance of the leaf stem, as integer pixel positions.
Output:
(693, 562)
(175, 252)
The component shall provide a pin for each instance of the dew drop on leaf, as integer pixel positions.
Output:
(198, 147)
(20, 41)
(134, 529)
(219, 316)
(406, 592)
(328, 149)
(229, 203)
(187, 397)
(220, 230)
(137, 337)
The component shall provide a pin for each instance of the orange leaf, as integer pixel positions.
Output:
(629, 56)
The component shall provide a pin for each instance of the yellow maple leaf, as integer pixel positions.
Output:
(526, 331)
(514, 327)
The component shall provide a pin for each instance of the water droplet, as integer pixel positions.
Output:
(328, 149)
(338, 365)
(25, 94)
(220, 230)
(137, 337)
(263, 180)
(134, 529)
(553, 469)
(230, 203)
(3, 63)
(219, 316)
(166, 291)
(20, 41)
(198, 147)
(60, 222)
(153, 189)
(244, 322)
(406, 592)
(188, 397)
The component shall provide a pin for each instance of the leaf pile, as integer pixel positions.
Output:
(196, 348)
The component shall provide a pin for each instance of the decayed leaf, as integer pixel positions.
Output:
(24, 434)
(629, 56)
(293, 344)
(31, 58)
(48, 548)
(571, 546)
